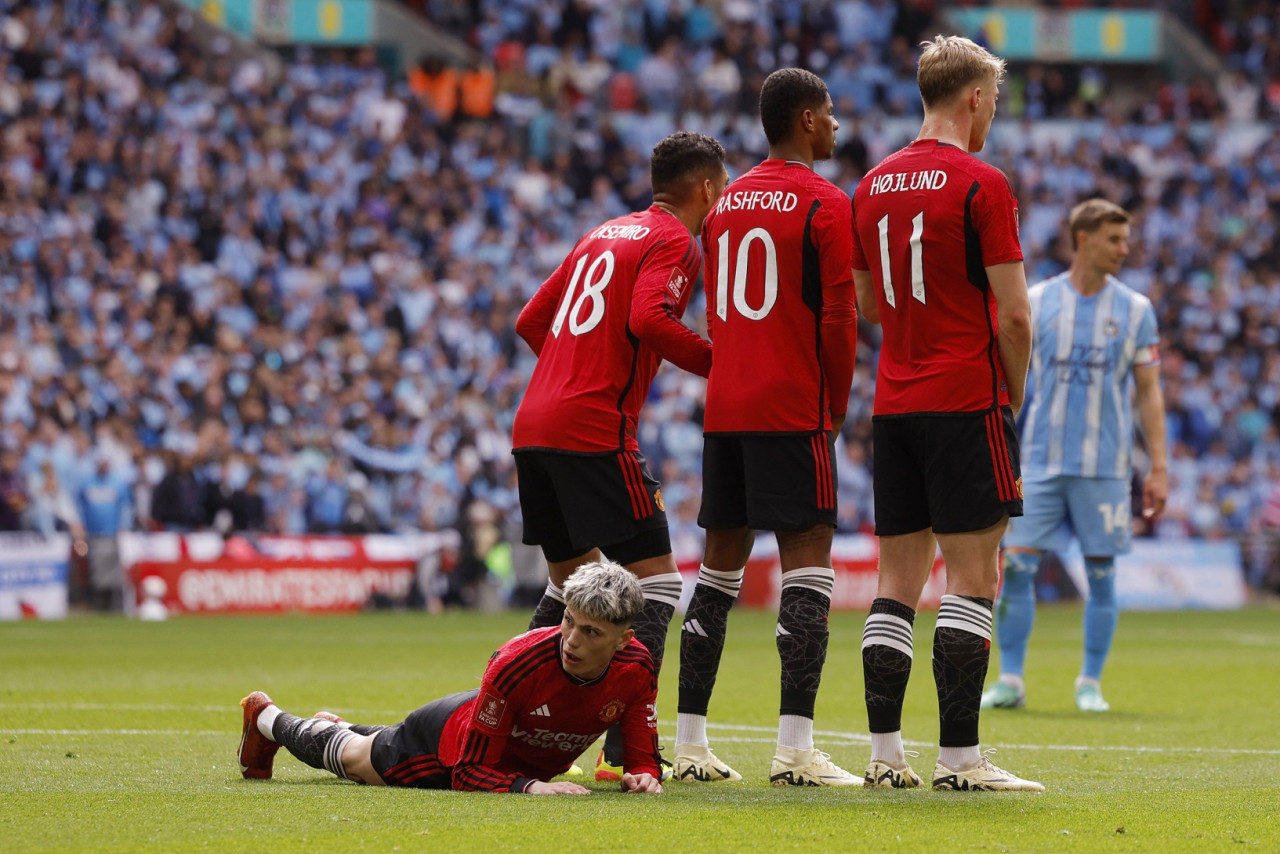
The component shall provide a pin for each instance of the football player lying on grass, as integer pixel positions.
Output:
(545, 697)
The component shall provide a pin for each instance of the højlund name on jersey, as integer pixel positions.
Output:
(897, 182)
(764, 200)
(620, 232)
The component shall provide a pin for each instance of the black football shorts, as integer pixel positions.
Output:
(953, 473)
(407, 753)
(573, 503)
(782, 482)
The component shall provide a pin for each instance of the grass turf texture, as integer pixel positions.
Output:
(117, 735)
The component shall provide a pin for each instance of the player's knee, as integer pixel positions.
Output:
(729, 546)
(814, 541)
(357, 761)
(654, 567)
(1021, 563)
(1101, 573)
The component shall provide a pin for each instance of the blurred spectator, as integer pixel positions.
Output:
(177, 504)
(52, 509)
(106, 508)
(478, 84)
(327, 496)
(247, 505)
(14, 501)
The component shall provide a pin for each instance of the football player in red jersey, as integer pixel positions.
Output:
(780, 311)
(938, 264)
(600, 325)
(546, 695)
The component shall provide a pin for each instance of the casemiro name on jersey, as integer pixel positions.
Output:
(764, 200)
(620, 232)
(897, 182)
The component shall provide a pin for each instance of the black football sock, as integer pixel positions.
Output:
(661, 596)
(961, 653)
(316, 742)
(702, 641)
(550, 610)
(802, 634)
(886, 663)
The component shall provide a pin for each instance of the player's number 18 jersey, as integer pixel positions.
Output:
(601, 324)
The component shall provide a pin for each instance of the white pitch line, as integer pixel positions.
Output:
(129, 707)
(861, 738)
(837, 735)
(220, 733)
(380, 715)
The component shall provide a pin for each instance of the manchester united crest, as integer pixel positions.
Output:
(657, 499)
(612, 711)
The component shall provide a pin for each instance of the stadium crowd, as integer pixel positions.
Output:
(288, 305)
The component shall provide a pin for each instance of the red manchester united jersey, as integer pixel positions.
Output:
(780, 302)
(601, 325)
(928, 220)
(530, 719)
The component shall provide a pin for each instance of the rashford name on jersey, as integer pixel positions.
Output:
(757, 200)
(899, 182)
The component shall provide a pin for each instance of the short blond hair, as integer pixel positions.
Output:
(1091, 214)
(950, 64)
(604, 590)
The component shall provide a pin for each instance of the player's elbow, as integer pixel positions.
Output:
(531, 333)
(1016, 322)
(524, 325)
(648, 322)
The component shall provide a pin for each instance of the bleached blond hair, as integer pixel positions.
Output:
(604, 590)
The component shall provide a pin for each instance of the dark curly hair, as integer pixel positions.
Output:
(684, 157)
(787, 93)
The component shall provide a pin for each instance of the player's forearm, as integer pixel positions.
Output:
(867, 304)
(1015, 354)
(640, 753)
(1008, 284)
(839, 348)
(1151, 415)
(640, 749)
(481, 778)
(659, 329)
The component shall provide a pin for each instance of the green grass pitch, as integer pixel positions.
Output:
(117, 735)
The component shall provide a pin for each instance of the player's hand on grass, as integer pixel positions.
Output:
(562, 787)
(641, 783)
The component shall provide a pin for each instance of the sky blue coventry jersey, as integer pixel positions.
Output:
(1078, 419)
